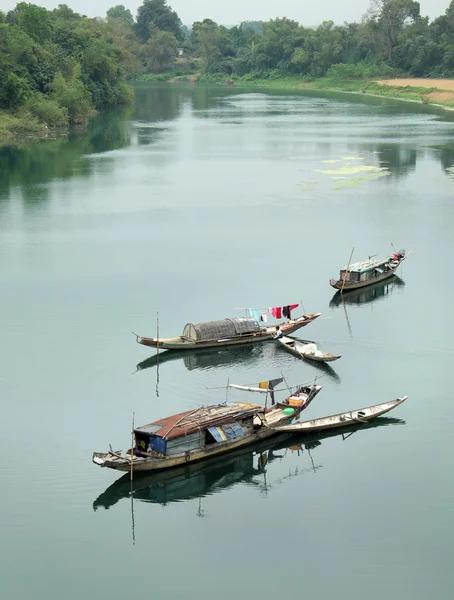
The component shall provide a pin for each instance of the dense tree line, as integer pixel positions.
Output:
(391, 37)
(57, 67)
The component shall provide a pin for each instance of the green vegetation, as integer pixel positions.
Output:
(58, 67)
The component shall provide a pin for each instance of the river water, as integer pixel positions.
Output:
(196, 203)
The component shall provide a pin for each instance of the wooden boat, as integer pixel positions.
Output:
(374, 292)
(305, 349)
(360, 415)
(206, 431)
(197, 480)
(225, 332)
(367, 272)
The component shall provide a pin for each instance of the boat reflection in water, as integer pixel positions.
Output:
(207, 358)
(214, 475)
(226, 357)
(371, 293)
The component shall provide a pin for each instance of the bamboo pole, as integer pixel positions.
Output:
(157, 353)
(157, 335)
(132, 447)
(132, 487)
(345, 274)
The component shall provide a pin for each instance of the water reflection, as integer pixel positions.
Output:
(369, 294)
(217, 474)
(206, 359)
(30, 165)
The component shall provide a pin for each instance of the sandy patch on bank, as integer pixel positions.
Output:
(447, 97)
(441, 84)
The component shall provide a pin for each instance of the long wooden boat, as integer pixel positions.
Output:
(219, 473)
(205, 432)
(306, 350)
(368, 271)
(225, 332)
(359, 415)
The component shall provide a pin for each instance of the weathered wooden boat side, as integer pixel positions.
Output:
(305, 349)
(359, 415)
(204, 432)
(367, 272)
(254, 333)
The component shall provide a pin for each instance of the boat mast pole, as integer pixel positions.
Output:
(345, 274)
(132, 447)
(132, 491)
(157, 353)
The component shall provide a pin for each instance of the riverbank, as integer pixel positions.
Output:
(436, 92)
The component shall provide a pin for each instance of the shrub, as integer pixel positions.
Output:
(47, 111)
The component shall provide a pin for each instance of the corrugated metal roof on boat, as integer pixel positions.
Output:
(201, 418)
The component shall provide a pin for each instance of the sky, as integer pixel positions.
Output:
(232, 12)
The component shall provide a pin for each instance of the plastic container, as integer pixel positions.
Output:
(295, 401)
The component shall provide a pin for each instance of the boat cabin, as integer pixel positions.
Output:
(220, 330)
(364, 270)
(195, 430)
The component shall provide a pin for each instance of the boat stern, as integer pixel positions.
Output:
(112, 460)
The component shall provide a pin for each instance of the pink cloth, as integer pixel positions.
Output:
(277, 312)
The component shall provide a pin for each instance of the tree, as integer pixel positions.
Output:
(72, 95)
(157, 13)
(207, 38)
(34, 20)
(390, 16)
(161, 50)
(120, 12)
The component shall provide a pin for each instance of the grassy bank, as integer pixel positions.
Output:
(438, 96)
(425, 95)
(23, 126)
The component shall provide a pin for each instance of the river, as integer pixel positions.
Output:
(195, 203)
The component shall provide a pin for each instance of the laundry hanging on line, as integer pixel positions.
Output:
(277, 312)
(254, 312)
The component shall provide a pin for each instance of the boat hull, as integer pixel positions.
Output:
(179, 343)
(289, 345)
(167, 463)
(358, 416)
(354, 285)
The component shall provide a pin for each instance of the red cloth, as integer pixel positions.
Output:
(277, 312)
(293, 306)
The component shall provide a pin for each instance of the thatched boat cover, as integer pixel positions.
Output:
(217, 330)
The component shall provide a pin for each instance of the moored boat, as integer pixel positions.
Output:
(307, 350)
(207, 431)
(219, 473)
(225, 332)
(359, 415)
(369, 271)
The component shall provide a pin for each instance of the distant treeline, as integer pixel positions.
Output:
(58, 67)
(392, 37)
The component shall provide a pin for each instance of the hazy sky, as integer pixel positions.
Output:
(232, 12)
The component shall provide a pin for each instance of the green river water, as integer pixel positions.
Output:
(197, 202)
